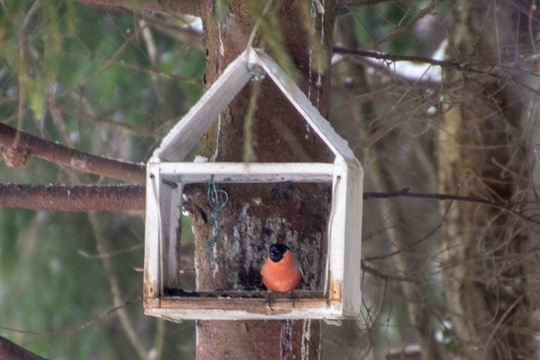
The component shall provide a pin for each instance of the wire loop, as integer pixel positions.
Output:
(217, 198)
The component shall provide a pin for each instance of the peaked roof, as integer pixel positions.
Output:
(188, 131)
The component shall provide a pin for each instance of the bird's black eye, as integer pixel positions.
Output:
(277, 251)
(276, 256)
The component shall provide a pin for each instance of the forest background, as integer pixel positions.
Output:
(438, 100)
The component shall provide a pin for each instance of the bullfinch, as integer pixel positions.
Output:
(282, 271)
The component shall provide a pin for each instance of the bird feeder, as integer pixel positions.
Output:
(168, 172)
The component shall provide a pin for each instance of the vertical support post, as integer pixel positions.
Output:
(345, 232)
(172, 200)
(353, 189)
(152, 288)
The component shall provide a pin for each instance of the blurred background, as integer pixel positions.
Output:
(113, 81)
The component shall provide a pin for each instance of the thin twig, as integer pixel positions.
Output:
(422, 239)
(387, 277)
(527, 9)
(77, 327)
(504, 206)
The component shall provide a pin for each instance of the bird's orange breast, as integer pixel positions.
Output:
(281, 276)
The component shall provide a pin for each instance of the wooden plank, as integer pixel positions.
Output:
(246, 304)
(163, 231)
(151, 244)
(187, 132)
(352, 236)
(236, 305)
(345, 237)
(241, 312)
(304, 106)
(172, 207)
(253, 172)
(239, 294)
(336, 230)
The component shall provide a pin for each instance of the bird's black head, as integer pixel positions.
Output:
(276, 251)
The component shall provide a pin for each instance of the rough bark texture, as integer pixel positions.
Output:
(73, 198)
(17, 146)
(481, 152)
(257, 216)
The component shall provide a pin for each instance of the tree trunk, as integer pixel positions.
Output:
(259, 215)
(481, 152)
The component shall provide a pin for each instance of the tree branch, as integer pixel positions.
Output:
(504, 206)
(527, 9)
(185, 7)
(73, 198)
(484, 68)
(523, 6)
(386, 277)
(11, 351)
(132, 197)
(395, 57)
(16, 146)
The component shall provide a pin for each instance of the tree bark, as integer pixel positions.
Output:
(11, 351)
(257, 216)
(17, 146)
(73, 198)
(481, 152)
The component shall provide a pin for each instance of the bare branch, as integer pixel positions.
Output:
(394, 57)
(17, 145)
(73, 198)
(132, 197)
(386, 277)
(527, 9)
(187, 7)
(410, 24)
(504, 206)
(70, 329)
(498, 71)
(11, 351)
(415, 243)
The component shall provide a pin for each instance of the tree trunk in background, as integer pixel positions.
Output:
(481, 152)
(422, 330)
(257, 216)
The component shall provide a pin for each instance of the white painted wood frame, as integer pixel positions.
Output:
(167, 173)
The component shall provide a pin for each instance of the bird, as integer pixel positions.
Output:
(282, 271)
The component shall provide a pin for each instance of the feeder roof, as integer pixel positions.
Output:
(188, 131)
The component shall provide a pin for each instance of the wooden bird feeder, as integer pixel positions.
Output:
(167, 173)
